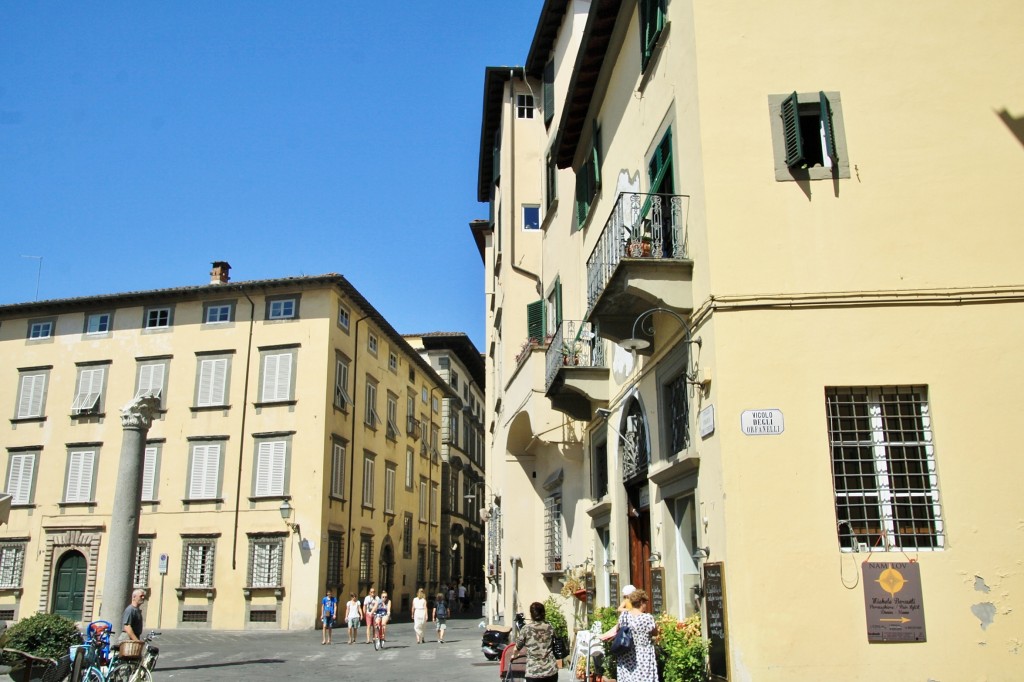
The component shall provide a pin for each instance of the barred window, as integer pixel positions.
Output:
(365, 560)
(335, 557)
(197, 566)
(421, 565)
(265, 554)
(553, 532)
(883, 469)
(12, 564)
(407, 536)
(494, 540)
(143, 554)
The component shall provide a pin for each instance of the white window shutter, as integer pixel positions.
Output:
(79, 486)
(149, 475)
(284, 377)
(338, 471)
(205, 469)
(270, 468)
(19, 485)
(212, 375)
(271, 368)
(151, 381)
(31, 401)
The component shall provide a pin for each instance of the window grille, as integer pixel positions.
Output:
(335, 556)
(421, 565)
(197, 567)
(12, 564)
(407, 536)
(365, 560)
(883, 469)
(553, 532)
(6, 614)
(263, 616)
(678, 413)
(143, 552)
(265, 561)
(194, 616)
(494, 541)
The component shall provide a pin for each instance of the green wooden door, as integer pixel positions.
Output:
(69, 590)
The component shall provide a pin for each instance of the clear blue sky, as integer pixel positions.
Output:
(141, 140)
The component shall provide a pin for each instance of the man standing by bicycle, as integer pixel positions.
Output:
(132, 617)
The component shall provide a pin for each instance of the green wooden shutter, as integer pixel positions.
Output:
(595, 155)
(558, 303)
(535, 322)
(791, 131)
(830, 133)
(549, 92)
(657, 169)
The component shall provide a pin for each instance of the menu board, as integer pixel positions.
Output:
(714, 607)
(613, 589)
(657, 590)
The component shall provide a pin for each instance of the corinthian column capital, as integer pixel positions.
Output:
(138, 414)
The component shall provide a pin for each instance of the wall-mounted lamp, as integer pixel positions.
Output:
(655, 558)
(701, 553)
(608, 563)
(286, 514)
(644, 323)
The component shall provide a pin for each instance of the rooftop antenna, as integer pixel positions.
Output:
(39, 272)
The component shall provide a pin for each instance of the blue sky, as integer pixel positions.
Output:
(140, 141)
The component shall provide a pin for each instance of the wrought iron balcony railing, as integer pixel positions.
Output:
(640, 226)
(574, 344)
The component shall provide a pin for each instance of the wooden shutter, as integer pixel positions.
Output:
(205, 470)
(830, 133)
(19, 483)
(277, 377)
(30, 404)
(558, 303)
(212, 378)
(270, 468)
(338, 471)
(535, 322)
(791, 131)
(90, 383)
(80, 468)
(149, 474)
(151, 380)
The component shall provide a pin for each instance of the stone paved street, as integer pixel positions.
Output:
(198, 656)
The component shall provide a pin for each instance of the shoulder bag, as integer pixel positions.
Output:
(622, 644)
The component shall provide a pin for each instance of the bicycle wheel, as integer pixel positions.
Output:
(94, 675)
(78, 665)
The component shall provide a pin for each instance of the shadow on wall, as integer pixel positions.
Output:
(1016, 125)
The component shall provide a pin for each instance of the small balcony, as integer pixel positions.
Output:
(576, 374)
(641, 261)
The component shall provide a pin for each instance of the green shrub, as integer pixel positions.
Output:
(553, 614)
(608, 616)
(45, 634)
(681, 649)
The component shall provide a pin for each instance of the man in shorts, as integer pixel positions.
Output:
(440, 616)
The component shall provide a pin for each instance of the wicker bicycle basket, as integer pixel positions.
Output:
(130, 649)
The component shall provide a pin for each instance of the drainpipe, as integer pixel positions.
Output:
(241, 434)
(352, 447)
(516, 216)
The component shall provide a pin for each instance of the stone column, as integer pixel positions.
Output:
(136, 418)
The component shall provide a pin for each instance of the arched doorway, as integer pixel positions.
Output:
(635, 463)
(386, 580)
(69, 585)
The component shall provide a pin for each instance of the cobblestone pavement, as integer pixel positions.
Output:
(198, 656)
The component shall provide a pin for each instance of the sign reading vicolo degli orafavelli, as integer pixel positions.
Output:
(893, 601)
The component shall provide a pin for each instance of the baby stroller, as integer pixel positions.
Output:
(512, 668)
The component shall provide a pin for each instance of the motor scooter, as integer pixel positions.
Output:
(497, 637)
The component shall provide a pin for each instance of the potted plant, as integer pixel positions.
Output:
(553, 615)
(681, 649)
(571, 353)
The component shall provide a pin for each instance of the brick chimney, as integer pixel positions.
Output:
(219, 274)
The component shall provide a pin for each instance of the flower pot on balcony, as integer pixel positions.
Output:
(581, 595)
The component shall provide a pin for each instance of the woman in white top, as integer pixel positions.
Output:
(419, 615)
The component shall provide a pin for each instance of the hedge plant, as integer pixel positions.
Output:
(46, 635)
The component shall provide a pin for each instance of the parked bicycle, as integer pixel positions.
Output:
(94, 661)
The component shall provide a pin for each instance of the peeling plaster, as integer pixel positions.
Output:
(979, 584)
(985, 612)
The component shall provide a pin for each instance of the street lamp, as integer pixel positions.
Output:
(286, 514)
(643, 325)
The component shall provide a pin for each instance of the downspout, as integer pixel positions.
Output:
(516, 217)
(352, 447)
(241, 436)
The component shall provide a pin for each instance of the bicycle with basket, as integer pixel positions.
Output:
(94, 661)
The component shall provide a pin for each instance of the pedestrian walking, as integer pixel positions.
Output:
(419, 615)
(369, 607)
(440, 616)
(638, 664)
(328, 611)
(463, 598)
(536, 638)
(353, 614)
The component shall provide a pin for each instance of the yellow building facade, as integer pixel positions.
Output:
(296, 449)
(753, 305)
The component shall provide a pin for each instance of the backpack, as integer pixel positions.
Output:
(442, 609)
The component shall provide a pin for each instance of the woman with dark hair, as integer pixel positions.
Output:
(639, 663)
(536, 637)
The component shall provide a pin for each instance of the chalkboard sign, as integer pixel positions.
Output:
(657, 590)
(613, 589)
(588, 581)
(714, 606)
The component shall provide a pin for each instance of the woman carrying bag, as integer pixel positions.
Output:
(537, 637)
(636, 662)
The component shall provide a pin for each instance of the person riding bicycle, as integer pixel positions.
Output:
(383, 614)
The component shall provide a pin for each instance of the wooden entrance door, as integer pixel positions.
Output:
(69, 586)
(640, 549)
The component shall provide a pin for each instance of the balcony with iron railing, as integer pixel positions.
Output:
(641, 260)
(575, 370)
